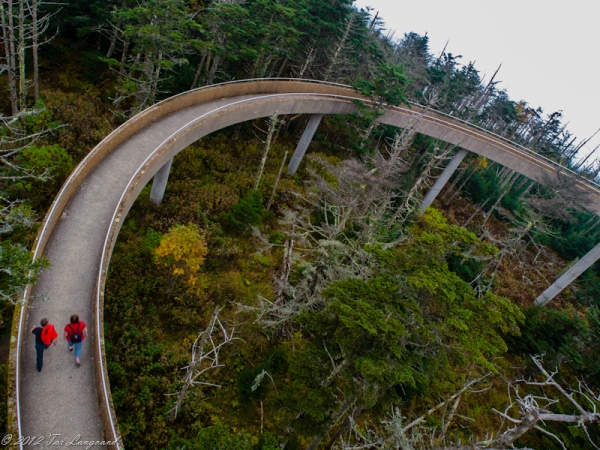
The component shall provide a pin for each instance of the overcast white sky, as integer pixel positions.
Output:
(549, 49)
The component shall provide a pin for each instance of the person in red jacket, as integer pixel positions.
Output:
(40, 345)
(75, 332)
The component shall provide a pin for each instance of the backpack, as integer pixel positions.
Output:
(76, 337)
(48, 334)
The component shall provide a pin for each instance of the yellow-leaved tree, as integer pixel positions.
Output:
(182, 251)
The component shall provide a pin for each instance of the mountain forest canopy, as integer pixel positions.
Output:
(320, 310)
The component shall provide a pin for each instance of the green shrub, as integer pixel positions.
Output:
(246, 213)
(216, 437)
(277, 237)
(255, 378)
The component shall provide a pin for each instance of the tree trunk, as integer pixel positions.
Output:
(124, 56)
(208, 60)
(145, 84)
(505, 191)
(340, 412)
(156, 78)
(286, 267)
(272, 125)
(477, 211)
(189, 381)
(213, 71)
(449, 189)
(451, 415)
(114, 37)
(592, 226)
(472, 164)
(339, 47)
(282, 68)
(460, 187)
(9, 47)
(344, 428)
(113, 44)
(367, 132)
(526, 191)
(34, 48)
(277, 181)
(522, 183)
(234, 138)
(199, 69)
(406, 208)
(262, 418)
(308, 62)
(21, 44)
(117, 101)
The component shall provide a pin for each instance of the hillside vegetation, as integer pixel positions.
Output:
(253, 309)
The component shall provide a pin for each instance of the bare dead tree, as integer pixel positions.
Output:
(392, 432)
(286, 267)
(310, 57)
(151, 57)
(508, 246)
(13, 213)
(529, 411)
(470, 169)
(388, 434)
(504, 189)
(410, 205)
(402, 141)
(10, 58)
(14, 138)
(277, 181)
(559, 196)
(273, 123)
(534, 411)
(205, 357)
(353, 209)
(22, 29)
(339, 48)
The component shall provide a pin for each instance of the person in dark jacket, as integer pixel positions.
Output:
(39, 343)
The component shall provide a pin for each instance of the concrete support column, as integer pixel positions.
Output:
(309, 132)
(569, 276)
(443, 179)
(160, 183)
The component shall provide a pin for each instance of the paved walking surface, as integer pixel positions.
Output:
(62, 399)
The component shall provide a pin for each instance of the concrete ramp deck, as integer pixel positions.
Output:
(72, 402)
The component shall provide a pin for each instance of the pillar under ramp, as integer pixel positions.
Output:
(305, 140)
(569, 276)
(443, 179)
(160, 183)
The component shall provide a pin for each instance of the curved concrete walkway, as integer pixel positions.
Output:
(81, 229)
